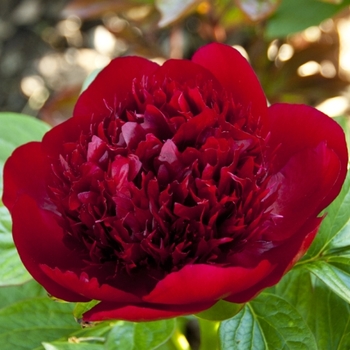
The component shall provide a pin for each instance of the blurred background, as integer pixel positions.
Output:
(300, 49)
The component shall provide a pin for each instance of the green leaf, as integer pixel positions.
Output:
(18, 129)
(93, 337)
(121, 337)
(267, 322)
(5, 224)
(169, 345)
(172, 10)
(327, 315)
(72, 346)
(295, 287)
(139, 336)
(12, 294)
(336, 279)
(81, 308)
(15, 130)
(296, 15)
(329, 318)
(220, 311)
(25, 324)
(149, 335)
(88, 337)
(12, 270)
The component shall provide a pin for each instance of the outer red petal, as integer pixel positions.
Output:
(184, 71)
(112, 85)
(38, 239)
(284, 256)
(143, 312)
(235, 75)
(24, 173)
(68, 131)
(305, 182)
(206, 283)
(90, 288)
(296, 127)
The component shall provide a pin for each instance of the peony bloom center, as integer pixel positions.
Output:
(175, 175)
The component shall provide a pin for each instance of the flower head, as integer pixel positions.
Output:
(171, 188)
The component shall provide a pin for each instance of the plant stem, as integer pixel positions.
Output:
(209, 334)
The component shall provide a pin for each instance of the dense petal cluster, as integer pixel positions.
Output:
(172, 187)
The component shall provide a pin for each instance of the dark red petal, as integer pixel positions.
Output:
(304, 184)
(24, 173)
(311, 227)
(284, 256)
(190, 131)
(235, 75)
(296, 127)
(68, 131)
(204, 283)
(89, 287)
(112, 85)
(143, 312)
(184, 71)
(38, 240)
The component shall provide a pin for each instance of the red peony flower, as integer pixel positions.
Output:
(171, 188)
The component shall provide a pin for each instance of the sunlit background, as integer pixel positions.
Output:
(49, 48)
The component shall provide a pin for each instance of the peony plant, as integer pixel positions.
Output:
(171, 188)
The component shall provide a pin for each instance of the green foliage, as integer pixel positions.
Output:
(326, 314)
(268, 322)
(335, 278)
(72, 346)
(25, 324)
(12, 270)
(12, 294)
(222, 310)
(140, 336)
(81, 308)
(31, 320)
(296, 15)
(17, 129)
